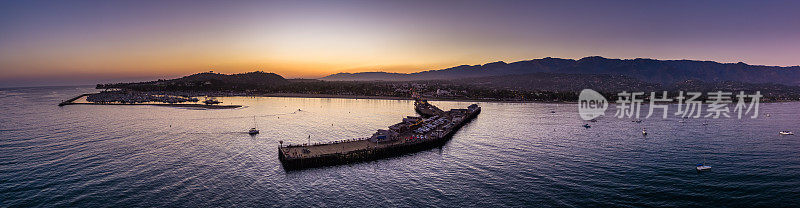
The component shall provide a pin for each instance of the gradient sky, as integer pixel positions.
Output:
(85, 42)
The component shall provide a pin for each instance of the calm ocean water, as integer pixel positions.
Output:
(513, 154)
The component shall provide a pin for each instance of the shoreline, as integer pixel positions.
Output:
(165, 104)
(301, 95)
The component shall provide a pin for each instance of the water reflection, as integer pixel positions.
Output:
(512, 154)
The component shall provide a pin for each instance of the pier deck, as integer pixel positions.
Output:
(408, 136)
(333, 148)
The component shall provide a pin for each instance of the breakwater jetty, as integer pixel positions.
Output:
(411, 135)
(71, 100)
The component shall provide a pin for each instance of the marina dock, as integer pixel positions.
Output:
(71, 101)
(411, 135)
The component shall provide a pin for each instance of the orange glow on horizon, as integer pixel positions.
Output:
(119, 40)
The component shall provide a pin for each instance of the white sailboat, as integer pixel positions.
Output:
(702, 166)
(254, 130)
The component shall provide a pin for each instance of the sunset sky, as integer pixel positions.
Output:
(85, 42)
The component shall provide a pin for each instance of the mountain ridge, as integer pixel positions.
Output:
(646, 69)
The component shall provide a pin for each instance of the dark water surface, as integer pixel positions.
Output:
(512, 154)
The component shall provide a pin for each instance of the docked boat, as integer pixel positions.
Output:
(211, 101)
(786, 133)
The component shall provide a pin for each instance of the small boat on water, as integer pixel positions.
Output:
(701, 167)
(253, 131)
(786, 133)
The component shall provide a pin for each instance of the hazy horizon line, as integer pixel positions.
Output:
(88, 81)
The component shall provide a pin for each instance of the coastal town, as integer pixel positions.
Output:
(518, 88)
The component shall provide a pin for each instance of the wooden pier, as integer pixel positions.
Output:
(364, 149)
